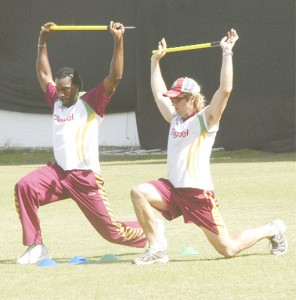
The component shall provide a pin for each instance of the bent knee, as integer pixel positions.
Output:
(228, 251)
(113, 235)
(134, 192)
(139, 192)
(20, 184)
(115, 239)
(24, 182)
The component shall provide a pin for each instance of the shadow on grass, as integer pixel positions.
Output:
(95, 259)
(92, 259)
(218, 258)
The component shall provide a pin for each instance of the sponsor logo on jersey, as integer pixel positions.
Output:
(179, 134)
(62, 120)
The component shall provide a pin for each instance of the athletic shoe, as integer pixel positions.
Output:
(160, 232)
(34, 254)
(278, 242)
(152, 256)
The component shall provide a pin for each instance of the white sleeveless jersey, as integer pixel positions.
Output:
(75, 136)
(189, 149)
(76, 128)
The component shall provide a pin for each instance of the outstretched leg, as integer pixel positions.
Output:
(229, 247)
(87, 189)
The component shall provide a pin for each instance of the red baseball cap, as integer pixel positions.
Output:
(182, 85)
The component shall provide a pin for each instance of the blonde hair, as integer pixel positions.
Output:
(199, 100)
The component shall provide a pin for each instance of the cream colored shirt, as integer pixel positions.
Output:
(189, 149)
(76, 129)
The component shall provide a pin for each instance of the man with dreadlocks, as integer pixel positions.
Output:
(76, 173)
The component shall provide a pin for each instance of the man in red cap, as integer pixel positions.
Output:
(189, 190)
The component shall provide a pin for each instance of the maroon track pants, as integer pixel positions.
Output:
(51, 183)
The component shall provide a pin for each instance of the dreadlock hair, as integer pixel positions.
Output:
(72, 73)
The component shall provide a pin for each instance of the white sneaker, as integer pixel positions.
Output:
(160, 231)
(279, 244)
(151, 256)
(34, 254)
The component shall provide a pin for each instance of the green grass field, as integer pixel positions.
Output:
(253, 188)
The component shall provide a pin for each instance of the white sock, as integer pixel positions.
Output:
(275, 229)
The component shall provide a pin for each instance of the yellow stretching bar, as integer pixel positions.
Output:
(83, 27)
(190, 47)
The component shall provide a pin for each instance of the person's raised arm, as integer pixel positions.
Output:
(117, 62)
(43, 68)
(158, 85)
(219, 101)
